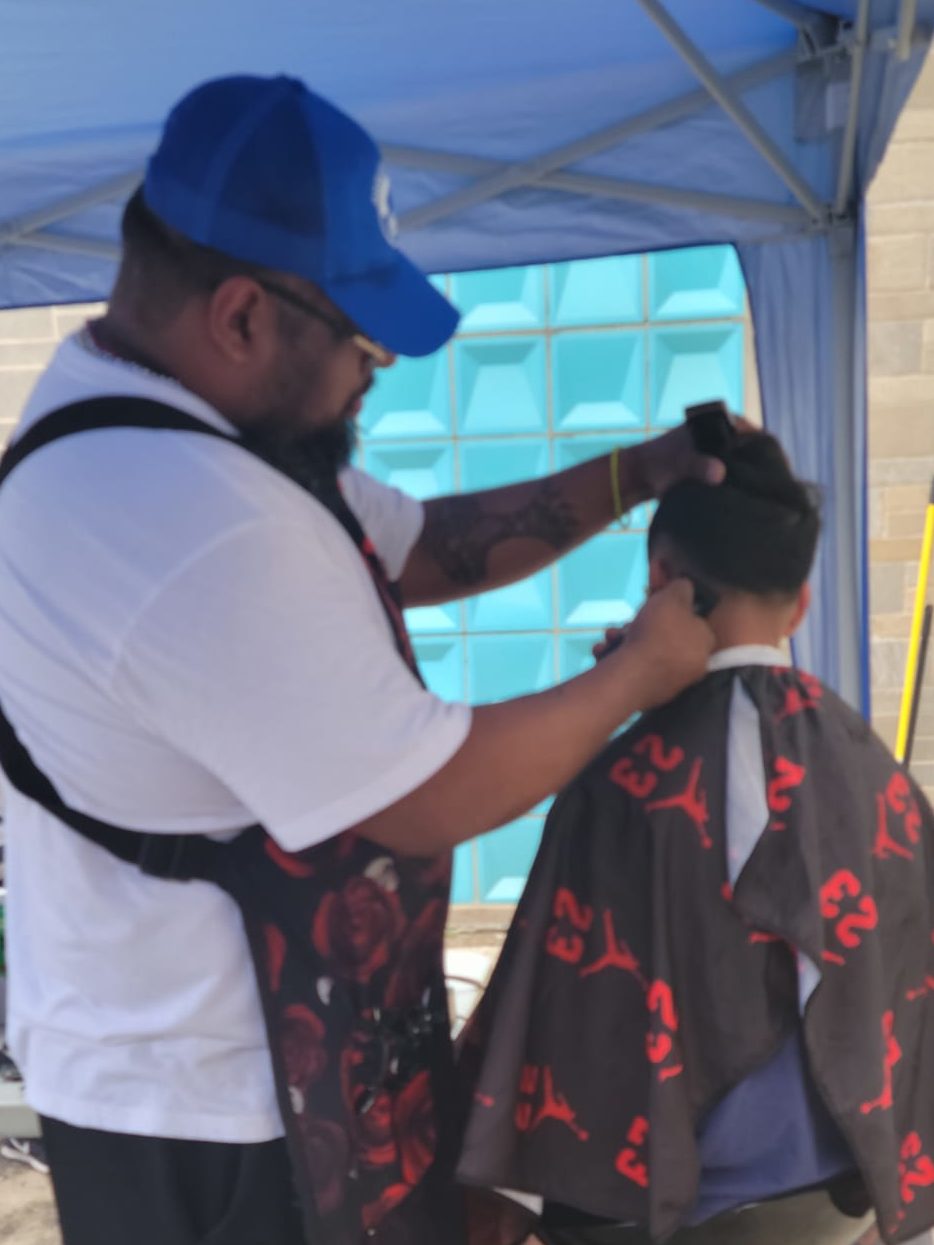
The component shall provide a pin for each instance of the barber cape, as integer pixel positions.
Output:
(672, 936)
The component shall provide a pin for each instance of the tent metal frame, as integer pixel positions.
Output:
(26, 229)
(551, 169)
(498, 177)
(798, 14)
(734, 108)
(846, 168)
(905, 32)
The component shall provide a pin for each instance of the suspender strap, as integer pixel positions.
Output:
(97, 413)
(177, 856)
(121, 412)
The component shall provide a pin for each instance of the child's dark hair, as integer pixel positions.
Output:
(756, 532)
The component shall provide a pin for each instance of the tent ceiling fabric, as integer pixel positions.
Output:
(456, 94)
(521, 132)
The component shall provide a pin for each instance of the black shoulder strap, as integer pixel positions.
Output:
(95, 413)
(178, 856)
(162, 855)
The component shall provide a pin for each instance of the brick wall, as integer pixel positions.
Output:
(901, 411)
(27, 339)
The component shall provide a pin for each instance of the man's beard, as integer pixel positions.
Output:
(313, 458)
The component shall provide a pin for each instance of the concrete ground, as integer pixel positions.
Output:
(27, 1210)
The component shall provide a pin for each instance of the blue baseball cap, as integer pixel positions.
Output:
(264, 170)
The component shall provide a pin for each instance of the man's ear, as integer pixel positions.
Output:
(801, 606)
(241, 320)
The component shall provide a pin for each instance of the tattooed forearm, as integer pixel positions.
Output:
(460, 532)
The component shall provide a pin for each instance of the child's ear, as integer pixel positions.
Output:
(660, 573)
(801, 607)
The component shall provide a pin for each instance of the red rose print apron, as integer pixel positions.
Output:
(346, 940)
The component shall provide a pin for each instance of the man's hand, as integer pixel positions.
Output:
(667, 646)
(657, 464)
(518, 751)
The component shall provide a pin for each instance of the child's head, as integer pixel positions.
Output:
(751, 538)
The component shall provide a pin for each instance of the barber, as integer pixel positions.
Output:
(216, 744)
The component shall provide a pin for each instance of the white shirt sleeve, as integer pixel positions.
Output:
(268, 660)
(391, 519)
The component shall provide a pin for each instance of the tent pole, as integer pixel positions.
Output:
(69, 244)
(599, 187)
(848, 146)
(907, 13)
(13, 230)
(798, 14)
(717, 85)
(503, 177)
(847, 411)
(642, 192)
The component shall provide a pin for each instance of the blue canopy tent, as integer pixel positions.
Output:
(525, 131)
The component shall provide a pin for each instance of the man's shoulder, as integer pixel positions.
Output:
(154, 476)
(110, 516)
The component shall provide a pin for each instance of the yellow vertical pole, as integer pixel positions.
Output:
(917, 623)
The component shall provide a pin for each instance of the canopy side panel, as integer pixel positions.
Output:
(808, 308)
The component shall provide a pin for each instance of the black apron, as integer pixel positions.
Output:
(347, 945)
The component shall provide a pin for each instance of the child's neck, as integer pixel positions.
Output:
(734, 624)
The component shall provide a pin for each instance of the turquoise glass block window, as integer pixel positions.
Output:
(411, 401)
(501, 385)
(552, 365)
(605, 291)
(694, 364)
(695, 284)
(504, 859)
(603, 582)
(504, 298)
(598, 380)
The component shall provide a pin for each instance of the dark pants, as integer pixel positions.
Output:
(800, 1219)
(115, 1189)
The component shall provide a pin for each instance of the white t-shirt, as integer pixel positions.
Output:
(188, 642)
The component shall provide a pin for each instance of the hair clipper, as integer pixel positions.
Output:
(705, 599)
(712, 430)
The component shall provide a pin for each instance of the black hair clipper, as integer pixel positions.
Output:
(711, 428)
(705, 599)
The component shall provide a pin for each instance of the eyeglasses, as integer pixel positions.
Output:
(341, 328)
